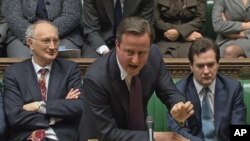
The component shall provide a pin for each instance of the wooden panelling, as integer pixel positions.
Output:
(178, 67)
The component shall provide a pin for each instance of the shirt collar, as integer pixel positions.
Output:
(199, 87)
(37, 67)
(124, 74)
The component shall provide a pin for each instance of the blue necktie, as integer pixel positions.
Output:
(207, 123)
(41, 11)
(118, 15)
(136, 119)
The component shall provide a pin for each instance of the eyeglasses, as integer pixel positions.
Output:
(48, 41)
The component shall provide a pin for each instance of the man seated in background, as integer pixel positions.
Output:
(101, 18)
(218, 100)
(41, 94)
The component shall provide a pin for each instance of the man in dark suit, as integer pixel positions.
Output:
(48, 103)
(225, 96)
(99, 22)
(107, 87)
(2, 119)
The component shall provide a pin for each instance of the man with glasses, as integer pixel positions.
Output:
(41, 93)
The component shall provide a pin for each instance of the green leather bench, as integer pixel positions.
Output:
(208, 26)
(159, 112)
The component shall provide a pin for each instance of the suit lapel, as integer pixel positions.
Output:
(109, 6)
(122, 92)
(219, 103)
(192, 95)
(54, 80)
(32, 81)
(145, 80)
(240, 4)
(119, 86)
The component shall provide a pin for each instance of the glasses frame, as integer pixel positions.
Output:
(47, 41)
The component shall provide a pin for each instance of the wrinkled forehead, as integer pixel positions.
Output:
(45, 29)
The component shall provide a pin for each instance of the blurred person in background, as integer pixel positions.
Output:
(177, 24)
(101, 18)
(231, 22)
(64, 14)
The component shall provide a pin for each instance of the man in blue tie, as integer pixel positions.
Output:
(217, 99)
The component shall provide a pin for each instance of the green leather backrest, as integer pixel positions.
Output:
(208, 29)
(159, 112)
(246, 89)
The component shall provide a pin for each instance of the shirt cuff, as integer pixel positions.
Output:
(42, 107)
(102, 49)
(52, 121)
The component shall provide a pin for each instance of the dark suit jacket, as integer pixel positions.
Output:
(106, 96)
(98, 18)
(2, 119)
(229, 108)
(21, 87)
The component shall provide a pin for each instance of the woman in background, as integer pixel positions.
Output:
(231, 20)
(178, 23)
(64, 14)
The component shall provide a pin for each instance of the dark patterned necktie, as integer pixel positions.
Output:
(207, 123)
(118, 15)
(41, 12)
(39, 135)
(42, 83)
(136, 114)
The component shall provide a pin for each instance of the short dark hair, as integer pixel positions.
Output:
(201, 46)
(134, 25)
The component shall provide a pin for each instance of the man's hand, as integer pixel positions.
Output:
(194, 36)
(32, 107)
(168, 136)
(172, 34)
(73, 94)
(181, 111)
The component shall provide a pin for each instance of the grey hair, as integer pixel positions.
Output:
(31, 28)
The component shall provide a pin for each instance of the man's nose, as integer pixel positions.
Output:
(206, 69)
(53, 45)
(135, 58)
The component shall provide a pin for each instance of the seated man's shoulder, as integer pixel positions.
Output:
(231, 82)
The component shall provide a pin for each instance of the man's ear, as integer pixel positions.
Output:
(191, 67)
(29, 43)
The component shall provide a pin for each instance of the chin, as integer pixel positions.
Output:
(50, 57)
(206, 83)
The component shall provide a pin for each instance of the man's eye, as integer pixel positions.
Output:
(130, 52)
(46, 41)
(200, 66)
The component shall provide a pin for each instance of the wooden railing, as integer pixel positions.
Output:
(178, 67)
